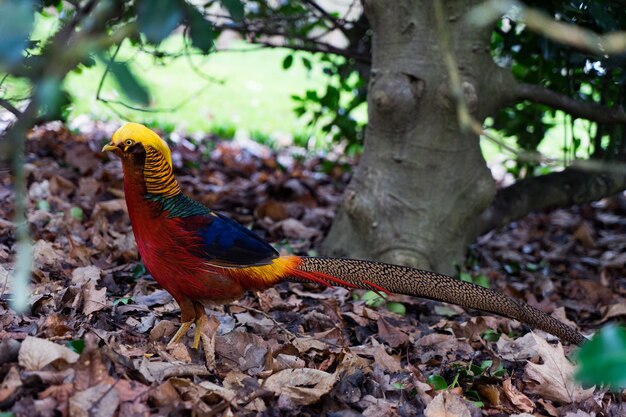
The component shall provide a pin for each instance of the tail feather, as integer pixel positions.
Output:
(389, 278)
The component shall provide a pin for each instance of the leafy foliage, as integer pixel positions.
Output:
(85, 30)
(585, 77)
(305, 25)
(602, 360)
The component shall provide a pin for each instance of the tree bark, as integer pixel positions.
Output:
(558, 189)
(421, 183)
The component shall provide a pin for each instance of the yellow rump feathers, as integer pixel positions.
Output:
(139, 133)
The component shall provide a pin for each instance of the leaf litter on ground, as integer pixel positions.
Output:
(94, 341)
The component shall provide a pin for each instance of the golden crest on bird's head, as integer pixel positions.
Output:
(138, 133)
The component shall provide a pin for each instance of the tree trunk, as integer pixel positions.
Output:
(422, 182)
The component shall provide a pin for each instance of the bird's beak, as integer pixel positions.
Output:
(109, 147)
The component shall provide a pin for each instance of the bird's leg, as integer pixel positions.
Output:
(187, 318)
(202, 323)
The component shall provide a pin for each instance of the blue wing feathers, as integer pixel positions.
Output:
(230, 244)
(225, 242)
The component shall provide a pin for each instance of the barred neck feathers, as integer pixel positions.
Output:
(162, 187)
(157, 173)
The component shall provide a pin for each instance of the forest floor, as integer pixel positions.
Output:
(94, 341)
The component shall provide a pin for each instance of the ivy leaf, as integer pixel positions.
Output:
(437, 382)
(235, 8)
(128, 83)
(156, 19)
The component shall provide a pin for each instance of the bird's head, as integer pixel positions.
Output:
(134, 138)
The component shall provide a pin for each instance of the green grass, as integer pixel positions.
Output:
(246, 89)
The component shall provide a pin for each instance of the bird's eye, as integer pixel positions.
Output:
(128, 142)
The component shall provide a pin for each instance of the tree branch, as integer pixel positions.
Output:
(334, 22)
(558, 189)
(320, 47)
(10, 107)
(252, 29)
(577, 109)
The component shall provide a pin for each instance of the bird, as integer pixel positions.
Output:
(203, 258)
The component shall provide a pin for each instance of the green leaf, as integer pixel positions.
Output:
(16, 23)
(465, 276)
(43, 205)
(77, 345)
(397, 308)
(77, 213)
(288, 61)
(50, 97)
(6, 414)
(437, 382)
(123, 300)
(398, 385)
(235, 8)
(602, 360)
(139, 270)
(158, 18)
(373, 299)
(482, 280)
(128, 83)
(445, 310)
(491, 335)
(200, 30)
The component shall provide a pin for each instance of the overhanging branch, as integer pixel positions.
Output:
(10, 107)
(577, 109)
(558, 189)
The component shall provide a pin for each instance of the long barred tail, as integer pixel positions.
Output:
(388, 278)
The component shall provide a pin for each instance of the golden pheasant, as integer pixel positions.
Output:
(202, 257)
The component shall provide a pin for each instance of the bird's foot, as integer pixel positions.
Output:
(202, 327)
(182, 330)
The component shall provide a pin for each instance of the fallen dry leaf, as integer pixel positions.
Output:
(208, 331)
(90, 368)
(519, 400)
(301, 386)
(87, 278)
(377, 407)
(94, 299)
(45, 253)
(386, 361)
(159, 371)
(580, 413)
(82, 275)
(519, 349)
(555, 377)
(36, 353)
(391, 334)
(10, 384)
(98, 401)
(446, 404)
(612, 311)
